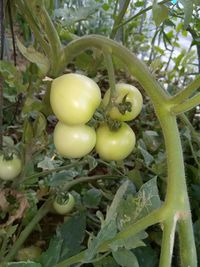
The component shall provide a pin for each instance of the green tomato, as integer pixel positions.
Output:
(74, 98)
(28, 253)
(74, 141)
(66, 206)
(131, 95)
(11, 168)
(115, 145)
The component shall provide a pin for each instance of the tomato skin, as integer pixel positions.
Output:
(74, 141)
(28, 253)
(64, 208)
(10, 169)
(115, 145)
(74, 98)
(133, 96)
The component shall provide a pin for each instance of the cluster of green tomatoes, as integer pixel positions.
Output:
(74, 99)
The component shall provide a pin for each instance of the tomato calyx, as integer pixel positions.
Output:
(124, 106)
(62, 198)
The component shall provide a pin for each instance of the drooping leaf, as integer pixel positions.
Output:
(35, 57)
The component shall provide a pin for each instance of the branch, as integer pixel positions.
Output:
(187, 105)
(186, 92)
(119, 18)
(140, 13)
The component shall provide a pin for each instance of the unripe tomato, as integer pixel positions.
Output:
(131, 95)
(28, 253)
(65, 207)
(74, 141)
(115, 145)
(74, 98)
(10, 168)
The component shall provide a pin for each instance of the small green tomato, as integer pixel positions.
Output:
(64, 207)
(10, 168)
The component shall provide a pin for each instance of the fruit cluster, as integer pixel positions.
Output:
(74, 99)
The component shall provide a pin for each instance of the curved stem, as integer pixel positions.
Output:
(79, 180)
(134, 65)
(169, 227)
(186, 92)
(187, 105)
(28, 229)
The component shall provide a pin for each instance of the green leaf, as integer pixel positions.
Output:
(125, 258)
(188, 9)
(60, 178)
(129, 243)
(106, 262)
(147, 257)
(72, 232)
(92, 198)
(160, 13)
(136, 207)
(35, 57)
(51, 256)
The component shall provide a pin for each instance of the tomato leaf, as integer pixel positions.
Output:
(35, 57)
(125, 258)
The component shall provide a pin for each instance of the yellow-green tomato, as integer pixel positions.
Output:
(10, 168)
(115, 145)
(74, 98)
(28, 253)
(65, 207)
(74, 141)
(131, 95)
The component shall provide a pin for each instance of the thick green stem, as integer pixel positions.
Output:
(187, 249)
(169, 227)
(28, 229)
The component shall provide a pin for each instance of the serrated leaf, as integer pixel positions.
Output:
(106, 262)
(73, 232)
(51, 256)
(60, 178)
(125, 258)
(160, 13)
(129, 243)
(35, 57)
(136, 207)
(92, 198)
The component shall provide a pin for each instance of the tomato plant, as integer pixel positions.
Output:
(115, 145)
(128, 102)
(64, 206)
(10, 168)
(74, 141)
(74, 98)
